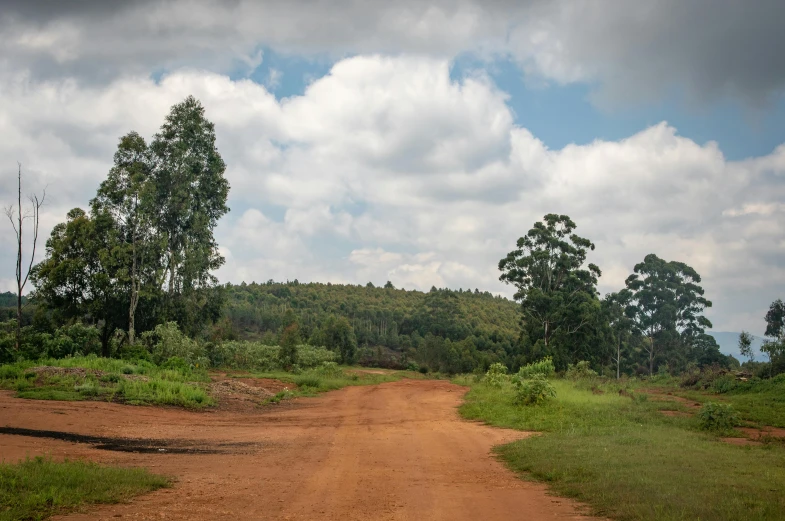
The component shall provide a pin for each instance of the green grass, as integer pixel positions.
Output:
(38, 488)
(154, 386)
(760, 402)
(627, 461)
(314, 381)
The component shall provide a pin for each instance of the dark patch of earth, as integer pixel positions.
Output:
(139, 445)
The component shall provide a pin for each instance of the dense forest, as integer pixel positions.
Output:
(457, 330)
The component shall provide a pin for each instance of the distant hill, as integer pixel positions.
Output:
(8, 299)
(391, 318)
(729, 344)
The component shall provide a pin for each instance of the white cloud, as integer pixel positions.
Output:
(387, 169)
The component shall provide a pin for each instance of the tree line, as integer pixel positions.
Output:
(143, 254)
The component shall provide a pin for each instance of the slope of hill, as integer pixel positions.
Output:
(729, 344)
(392, 318)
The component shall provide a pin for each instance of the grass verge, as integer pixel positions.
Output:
(322, 379)
(38, 488)
(627, 461)
(94, 378)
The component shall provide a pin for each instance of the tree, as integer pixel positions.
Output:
(706, 351)
(339, 336)
(78, 275)
(775, 329)
(121, 195)
(745, 346)
(615, 307)
(775, 320)
(666, 298)
(21, 275)
(557, 295)
(190, 193)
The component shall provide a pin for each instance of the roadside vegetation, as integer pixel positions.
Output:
(607, 443)
(38, 488)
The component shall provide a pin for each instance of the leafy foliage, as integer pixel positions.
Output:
(533, 390)
(167, 341)
(717, 417)
(496, 375)
(544, 367)
(558, 296)
(666, 305)
(580, 371)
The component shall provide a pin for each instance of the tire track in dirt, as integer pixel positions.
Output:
(395, 451)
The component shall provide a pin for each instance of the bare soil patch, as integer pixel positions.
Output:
(741, 441)
(395, 451)
(136, 445)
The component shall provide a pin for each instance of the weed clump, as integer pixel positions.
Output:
(544, 367)
(496, 375)
(580, 371)
(717, 417)
(534, 390)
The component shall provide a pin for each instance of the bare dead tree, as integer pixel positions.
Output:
(34, 214)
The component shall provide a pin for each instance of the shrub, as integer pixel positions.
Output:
(74, 340)
(717, 417)
(166, 341)
(176, 363)
(412, 366)
(724, 384)
(329, 369)
(110, 378)
(580, 371)
(534, 390)
(424, 369)
(544, 367)
(496, 375)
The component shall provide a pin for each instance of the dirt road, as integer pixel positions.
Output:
(395, 451)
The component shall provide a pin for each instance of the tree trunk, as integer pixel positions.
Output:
(134, 292)
(105, 340)
(651, 356)
(19, 265)
(618, 358)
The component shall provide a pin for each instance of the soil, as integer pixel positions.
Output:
(741, 441)
(395, 451)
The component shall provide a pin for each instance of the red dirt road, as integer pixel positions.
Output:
(395, 451)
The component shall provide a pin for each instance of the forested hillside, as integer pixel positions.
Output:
(446, 328)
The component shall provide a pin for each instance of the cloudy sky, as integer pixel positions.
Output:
(415, 142)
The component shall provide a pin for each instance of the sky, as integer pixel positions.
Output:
(415, 141)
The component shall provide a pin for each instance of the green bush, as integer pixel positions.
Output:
(329, 369)
(580, 371)
(544, 367)
(723, 384)
(496, 375)
(167, 341)
(717, 417)
(74, 340)
(534, 390)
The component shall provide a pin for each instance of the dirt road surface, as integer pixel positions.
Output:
(396, 451)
